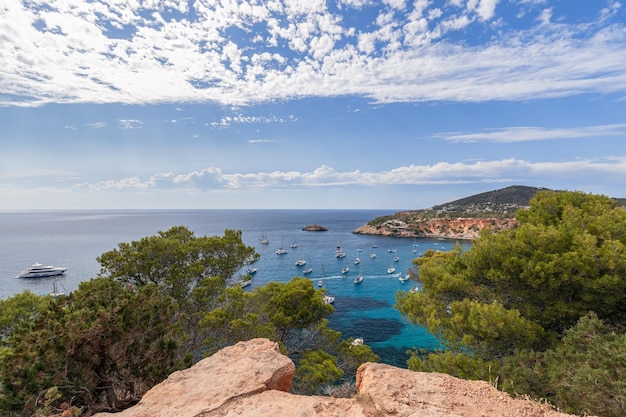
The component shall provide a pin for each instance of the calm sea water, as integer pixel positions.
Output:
(74, 239)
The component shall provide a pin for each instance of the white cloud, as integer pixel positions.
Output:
(529, 133)
(242, 119)
(486, 9)
(611, 10)
(136, 53)
(504, 170)
(130, 123)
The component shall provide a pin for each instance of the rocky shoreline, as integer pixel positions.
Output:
(447, 228)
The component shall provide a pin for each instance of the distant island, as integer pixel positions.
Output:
(314, 228)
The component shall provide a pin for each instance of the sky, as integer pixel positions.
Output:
(307, 104)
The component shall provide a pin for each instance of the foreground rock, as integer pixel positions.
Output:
(251, 378)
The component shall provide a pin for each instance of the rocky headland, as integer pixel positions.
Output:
(252, 379)
(448, 228)
(459, 219)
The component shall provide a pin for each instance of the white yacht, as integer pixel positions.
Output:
(38, 270)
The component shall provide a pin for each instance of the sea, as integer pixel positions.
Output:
(75, 238)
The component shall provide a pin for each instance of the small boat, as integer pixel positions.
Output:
(358, 279)
(414, 290)
(300, 262)
(372, 255)
(345, 270)
(38, 270)
(392, 250)
(307, 270)
(403, 279)
(56, 292)
(320, 283)
(251, 271)
(391, 269)
(396, 258)
(357, 342)
(339, 253)
(357, 260)
(329, 299)
(374, 246)
(245, 283)
(281, 250)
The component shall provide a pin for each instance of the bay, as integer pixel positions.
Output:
(75, 238)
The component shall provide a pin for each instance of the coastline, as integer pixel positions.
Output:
(459, 228)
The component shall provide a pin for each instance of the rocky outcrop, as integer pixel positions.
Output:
(449, 228)
(251, 379)
(314, 228)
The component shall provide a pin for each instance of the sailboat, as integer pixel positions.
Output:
(281, 250)
(359, 278)
(300, 261)
(391, 268)
(56, 292)
(264, 240)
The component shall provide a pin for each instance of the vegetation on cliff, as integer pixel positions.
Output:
(463, 218)
(539, 309)
(159, 304)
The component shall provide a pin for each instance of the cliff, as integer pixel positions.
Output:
(450, 228)
(251, 379)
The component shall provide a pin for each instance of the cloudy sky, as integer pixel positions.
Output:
(391, 104)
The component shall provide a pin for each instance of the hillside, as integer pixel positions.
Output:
(459, 219)
(502, 202)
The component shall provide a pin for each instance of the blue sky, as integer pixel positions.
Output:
(390, 104)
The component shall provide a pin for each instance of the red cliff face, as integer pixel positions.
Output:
(451, 228)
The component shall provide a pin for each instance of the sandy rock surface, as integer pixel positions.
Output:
(251, 379)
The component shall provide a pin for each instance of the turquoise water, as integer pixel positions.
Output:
(75, 239)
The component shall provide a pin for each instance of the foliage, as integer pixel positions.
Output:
(585, 374)
(460, 365)
(103, 346)
(20, 310)
(292, 314)
(514, 295)
(316, 369)
(158, 304)
(176, 260)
